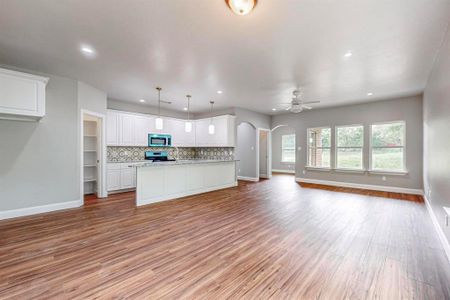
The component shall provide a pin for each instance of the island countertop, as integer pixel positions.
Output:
(180, 162)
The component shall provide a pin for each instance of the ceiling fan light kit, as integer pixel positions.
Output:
(297, 105)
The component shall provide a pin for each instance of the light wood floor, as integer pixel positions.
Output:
(272, 239)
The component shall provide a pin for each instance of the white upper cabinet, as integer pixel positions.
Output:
(144, 125)
(224, 133)
(128, 129)
(180, 137)
(22, 95)
(112, 128)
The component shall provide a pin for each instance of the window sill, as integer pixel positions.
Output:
(387, 172)
(318, 169)
(359, 171)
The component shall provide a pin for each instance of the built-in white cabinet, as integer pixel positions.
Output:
(113, 177)
(224, 133)
(120, 176)
(112, 128)
(22, 95)
(130, 129)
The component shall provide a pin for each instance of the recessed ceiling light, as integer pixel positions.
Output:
(274, 109)
(141, 100)
(219, 92)
(184, 108)
(288, 108)
(87, 50)
(369, 94)
(348, 54)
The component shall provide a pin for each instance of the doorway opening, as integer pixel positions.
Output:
(92, 155)
(284, 152)
(264, 153)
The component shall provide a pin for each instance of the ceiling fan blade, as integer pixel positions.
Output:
(311, 102)
(306, 107)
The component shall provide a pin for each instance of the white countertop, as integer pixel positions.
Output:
(180, 162)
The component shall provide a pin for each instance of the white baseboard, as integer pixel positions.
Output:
(283, 171)
(445, 243)
(28, 211)
(382, 188)
(245, 178)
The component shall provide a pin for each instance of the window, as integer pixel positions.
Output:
(349, 147)
(288, 148)
(319, 147)
(388, 147)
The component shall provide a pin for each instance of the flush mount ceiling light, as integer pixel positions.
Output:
(219, 92)
(348, 54)
(141, 100)
(241, 7)
(369, 94)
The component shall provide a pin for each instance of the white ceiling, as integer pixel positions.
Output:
(199, 47)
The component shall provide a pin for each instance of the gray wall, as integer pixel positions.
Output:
(276, 149)
(92, 99)
(39, 160)
(246, 150)
(408, 109)
(436, 117)
(144, 109)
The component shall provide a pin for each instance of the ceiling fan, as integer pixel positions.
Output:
(297, 105)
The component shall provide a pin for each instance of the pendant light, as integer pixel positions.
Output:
(188, 124)
(241, 7)
(211, 127)
(159, 121)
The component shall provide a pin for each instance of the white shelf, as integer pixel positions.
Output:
(89, 179)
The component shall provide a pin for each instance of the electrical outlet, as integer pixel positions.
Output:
(299, 148)
(383, 178)
(239, 171)
(304, 172)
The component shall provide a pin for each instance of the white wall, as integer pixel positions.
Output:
(408, 109)
(436, 118)
(39, 160)
(144, 109)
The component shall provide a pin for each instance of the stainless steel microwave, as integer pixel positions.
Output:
(159, 140)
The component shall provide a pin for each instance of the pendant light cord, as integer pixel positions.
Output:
(159, 101)
(212, 103)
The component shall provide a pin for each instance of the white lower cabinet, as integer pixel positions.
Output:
(120, 176)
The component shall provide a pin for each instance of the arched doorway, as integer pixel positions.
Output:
(246, 152)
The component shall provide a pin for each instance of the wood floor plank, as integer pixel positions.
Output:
(274, 239)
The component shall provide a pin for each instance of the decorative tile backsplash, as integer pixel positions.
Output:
(127, 154)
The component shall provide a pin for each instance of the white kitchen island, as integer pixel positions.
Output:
(160, 181)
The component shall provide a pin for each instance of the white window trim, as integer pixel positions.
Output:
(295, 156)
(309, 148)
(388, 172)
(336, 150)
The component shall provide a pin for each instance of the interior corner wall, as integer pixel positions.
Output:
(436, 118)
(39, 160)
(277, 164)
(408, 109)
